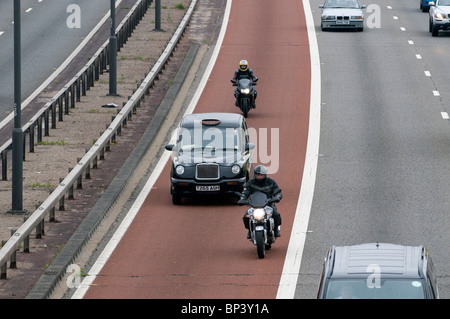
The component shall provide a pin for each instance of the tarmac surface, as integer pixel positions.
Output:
(53, 158)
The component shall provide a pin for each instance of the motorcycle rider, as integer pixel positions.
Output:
(244, 72)
(266, 185)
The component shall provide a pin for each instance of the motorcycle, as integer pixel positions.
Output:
(261, 224)
(245, 92)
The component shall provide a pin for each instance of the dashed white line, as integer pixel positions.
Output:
(1, 32)
(395, 17)
(436, 93)
(402, 28)
(445, 115)
(418, 57)
(427, 73)
(28, 10)
(411, 42)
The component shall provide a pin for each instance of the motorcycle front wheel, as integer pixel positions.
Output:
(245, 107)
(260, 245)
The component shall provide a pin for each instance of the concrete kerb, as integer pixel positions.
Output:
(50, 278)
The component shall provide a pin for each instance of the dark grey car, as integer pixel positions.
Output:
(378, 271)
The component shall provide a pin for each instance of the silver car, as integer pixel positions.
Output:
(342, 14)
(439, 16)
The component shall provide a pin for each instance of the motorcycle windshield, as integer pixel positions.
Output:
(258, 199)
(244, 83)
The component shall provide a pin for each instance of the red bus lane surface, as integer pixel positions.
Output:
(199, 249)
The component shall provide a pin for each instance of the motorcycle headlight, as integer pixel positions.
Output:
(235, 169)
(259, 214)
(179, 169)
(245, 91)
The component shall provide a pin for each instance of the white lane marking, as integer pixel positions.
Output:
(389, 7)
(427, 73)
(28, 10)
(445, 115)
(291, 268)
(395, 18)
(436, 93)
(114, 241)
(411, 42)
(1, 32)
(402, 28)
(418, 57)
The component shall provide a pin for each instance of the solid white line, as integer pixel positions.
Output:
(291, 269)
(112, 244)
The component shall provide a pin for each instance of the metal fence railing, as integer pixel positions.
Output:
(66, 98)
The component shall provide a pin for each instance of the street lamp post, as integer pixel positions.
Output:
(113, 52)
(17, 133)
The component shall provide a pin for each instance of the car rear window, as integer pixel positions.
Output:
(383, 289)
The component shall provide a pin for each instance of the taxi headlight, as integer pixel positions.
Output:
(259, 214)
(179, 169)
(235, 169)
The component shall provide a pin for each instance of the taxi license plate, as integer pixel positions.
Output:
(207, 188)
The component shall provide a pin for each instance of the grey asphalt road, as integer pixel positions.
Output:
(46, 41)
(383, 172)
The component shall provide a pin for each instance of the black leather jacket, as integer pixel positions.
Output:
(239, 74)
(268, 187)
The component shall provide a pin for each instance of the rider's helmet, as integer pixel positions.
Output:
(243, 65)
(260, 173)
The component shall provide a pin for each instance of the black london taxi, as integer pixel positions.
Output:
(211, 155)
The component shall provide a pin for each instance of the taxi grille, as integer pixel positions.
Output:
(207, 171)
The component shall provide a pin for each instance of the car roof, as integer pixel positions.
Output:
(392, 259)
(226, 119)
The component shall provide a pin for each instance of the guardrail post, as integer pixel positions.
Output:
(26, 241)
(61, 201)
(39, 129)
(66, 101)
(31, 132)
(5, 165)
(60, 108)
(13, 263)
(78, 90)
(52, 218)
(72, 95)
(3, 267)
